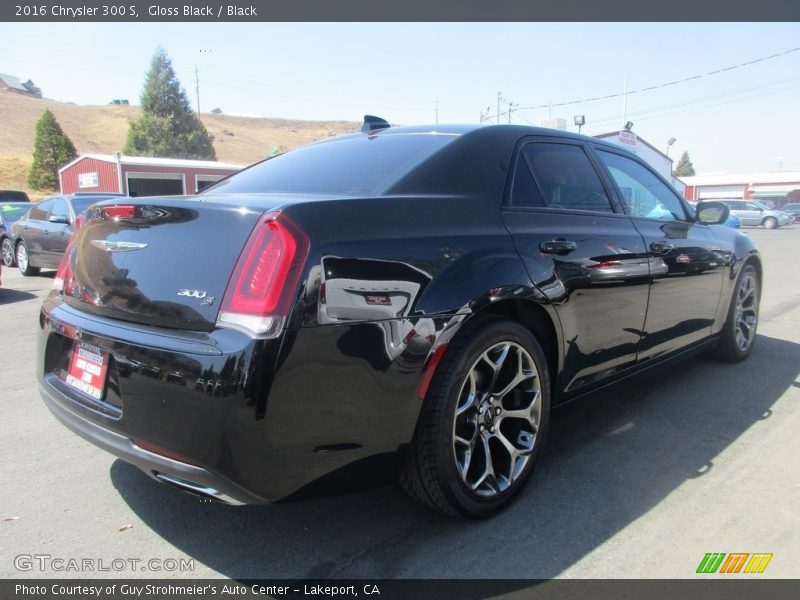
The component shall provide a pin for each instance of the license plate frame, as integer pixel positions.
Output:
(88, 370)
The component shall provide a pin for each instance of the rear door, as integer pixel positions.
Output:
(582, 252)
(685, 291)
(34, 230)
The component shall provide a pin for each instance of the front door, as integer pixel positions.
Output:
(687, 263)
(583, 254)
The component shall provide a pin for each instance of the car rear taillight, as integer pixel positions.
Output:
(118, 211)
(64, 279)
(260, 292)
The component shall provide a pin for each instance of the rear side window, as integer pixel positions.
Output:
(643, 193)
(561, 176)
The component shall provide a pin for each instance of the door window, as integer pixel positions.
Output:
(557, 176)
(643, 193)
(40, 211)
(59, 209)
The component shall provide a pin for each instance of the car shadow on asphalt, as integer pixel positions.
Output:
(9, 296)
(610, 459)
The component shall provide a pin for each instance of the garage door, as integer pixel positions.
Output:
(155, 185)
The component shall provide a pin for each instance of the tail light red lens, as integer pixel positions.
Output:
(260, 292)
(65, 277)
(119, 211)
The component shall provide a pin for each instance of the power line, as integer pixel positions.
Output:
(654, 109)
(667, 84)
(695, 109)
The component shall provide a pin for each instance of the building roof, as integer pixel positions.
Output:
(152, 161)
(743, 178)
(602, 136)
(15, 83)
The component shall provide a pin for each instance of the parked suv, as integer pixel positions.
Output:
(13, 196)
(752, 212)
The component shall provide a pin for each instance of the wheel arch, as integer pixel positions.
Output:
(531, 315)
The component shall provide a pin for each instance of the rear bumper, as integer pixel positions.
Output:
(230, 417)
(188, 477)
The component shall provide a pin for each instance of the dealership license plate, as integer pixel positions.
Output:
(87, 370)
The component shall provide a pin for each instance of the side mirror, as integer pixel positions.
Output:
(712, 213)
(58, 219)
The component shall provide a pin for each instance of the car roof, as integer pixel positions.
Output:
(510, 131)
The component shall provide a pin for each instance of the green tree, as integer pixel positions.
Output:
(51, 149)
(167, 128)
(684, 168)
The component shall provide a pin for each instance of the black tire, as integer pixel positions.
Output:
(770, 223)
(7, 253)
(448, 472)
(23, 260)
(738, 335)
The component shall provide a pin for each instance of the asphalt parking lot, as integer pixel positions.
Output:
(640, 482)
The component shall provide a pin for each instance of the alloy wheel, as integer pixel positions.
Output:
(7, 250)
(497, 418)
(22, 257)
(746, 311)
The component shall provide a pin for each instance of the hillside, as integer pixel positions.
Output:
(104, 129)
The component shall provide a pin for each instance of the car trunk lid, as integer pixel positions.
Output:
(165, 263)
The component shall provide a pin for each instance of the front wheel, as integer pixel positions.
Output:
(23, 260)
(770, 223)
(7, 252)
(739, 332)
(483, 424)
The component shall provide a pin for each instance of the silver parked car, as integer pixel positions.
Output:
(752, 212)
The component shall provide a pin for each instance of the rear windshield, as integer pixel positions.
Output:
(355, 166)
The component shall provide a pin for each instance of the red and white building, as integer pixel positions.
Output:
(776, 186)
(140, 175)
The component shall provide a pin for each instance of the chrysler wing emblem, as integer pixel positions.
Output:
(107, 246)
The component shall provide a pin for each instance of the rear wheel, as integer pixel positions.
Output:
(7, 252)
(23, 260)
(770, 223)
(483, 424)
(739, 333)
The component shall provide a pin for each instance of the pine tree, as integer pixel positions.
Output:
(167, 128)
(51, 149)
(684, 168)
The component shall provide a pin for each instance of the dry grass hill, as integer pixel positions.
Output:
(104, 129)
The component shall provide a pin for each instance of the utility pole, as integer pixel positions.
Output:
(485, 114)
(511, 106)
(625, 102)
(197, 89)
(437, 111)
(499, 98)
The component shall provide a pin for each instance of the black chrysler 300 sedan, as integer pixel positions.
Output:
(424, 291)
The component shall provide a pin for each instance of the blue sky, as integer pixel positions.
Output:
(744, 119)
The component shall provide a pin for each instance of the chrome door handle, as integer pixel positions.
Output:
(557, 246)
(662, 247)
